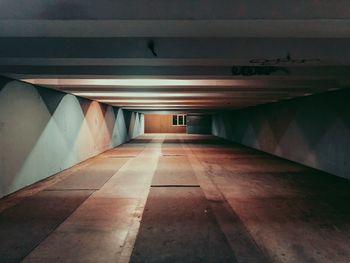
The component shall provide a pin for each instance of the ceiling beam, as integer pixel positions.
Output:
(270, 28)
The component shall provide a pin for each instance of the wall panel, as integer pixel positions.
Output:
(161, 123)
(313, 130)
(198, 124)
(43, 132)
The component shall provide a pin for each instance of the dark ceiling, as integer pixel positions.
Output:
(180, 54)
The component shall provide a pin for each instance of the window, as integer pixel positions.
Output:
(174, 120)
(180, 120)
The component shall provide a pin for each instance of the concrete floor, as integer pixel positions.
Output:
(179, 198)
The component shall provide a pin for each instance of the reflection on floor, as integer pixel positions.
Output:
(172, 198)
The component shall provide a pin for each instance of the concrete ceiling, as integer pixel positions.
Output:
(180, 54)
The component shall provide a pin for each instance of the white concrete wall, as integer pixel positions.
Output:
(43, 132)
(313, 130)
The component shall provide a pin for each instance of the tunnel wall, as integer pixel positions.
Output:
(313, 130)
(43, 132)
(161, 123)
(198, 124)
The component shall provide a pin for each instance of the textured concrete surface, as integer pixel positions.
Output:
(174, 170)
(293, 213)
(26, 225)
(92, 177)
(178, 225)
(312, 130)
(43, 132)
(216, 201)
(98, 230)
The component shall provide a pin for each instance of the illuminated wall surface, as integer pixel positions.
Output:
(311, 130)
(161, 123)
(43, 132)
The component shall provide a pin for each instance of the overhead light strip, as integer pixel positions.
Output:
(145, 94)
(134, 82)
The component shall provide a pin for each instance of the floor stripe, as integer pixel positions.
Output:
(240, 240)
(103, 226)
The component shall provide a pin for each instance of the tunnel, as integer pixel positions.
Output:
(175, 131)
